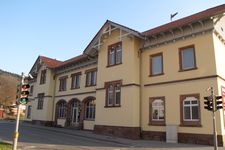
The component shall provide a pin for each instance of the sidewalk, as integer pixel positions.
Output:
(120, 141)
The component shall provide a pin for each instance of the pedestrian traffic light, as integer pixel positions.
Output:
(219, 102)
(208, 103)
(24, 93)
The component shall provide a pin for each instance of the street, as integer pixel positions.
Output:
(33, 137)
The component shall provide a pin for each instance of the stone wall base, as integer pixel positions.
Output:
(44, 123)
(203, 139)
(118, 131)
(153, 135)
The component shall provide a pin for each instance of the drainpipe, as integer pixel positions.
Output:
(53, 97)
(140, 92)
(140, 80)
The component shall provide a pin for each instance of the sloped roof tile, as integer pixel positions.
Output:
(201, 15)
(51, 63)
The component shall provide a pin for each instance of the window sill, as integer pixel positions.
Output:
(183, 70)
(75, 88)
(89, 119)
(154, 75)
(112, 106)
(62, 90)
(90, 85)
(190, 124)
(61, 118)
(157, 123)
(108, 66)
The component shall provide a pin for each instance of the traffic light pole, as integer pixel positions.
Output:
(214, 118)
(16, 133)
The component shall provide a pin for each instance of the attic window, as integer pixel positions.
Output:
(43, 77)
(115, 54)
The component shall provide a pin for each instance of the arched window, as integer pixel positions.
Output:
(157, 111)
(190, 110)
(61, 105)
(90, 110)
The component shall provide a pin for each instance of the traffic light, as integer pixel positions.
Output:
(219, 102)
(208, 103)
(24, 93)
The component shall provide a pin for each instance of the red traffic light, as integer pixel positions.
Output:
(24, 93)
(25, 86)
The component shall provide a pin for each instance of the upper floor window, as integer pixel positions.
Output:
(90, 110)
(157, 110)
(75, 84)
(31, 90)
(40, 100)
(91, 76)
(62, 83)
(115, 54)
(187, 58)
(113, 93)
(156, 64)
(190, 109)
(43, 77)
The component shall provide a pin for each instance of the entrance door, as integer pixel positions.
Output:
(75, 116)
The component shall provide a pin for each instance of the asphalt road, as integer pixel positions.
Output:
(45, 138)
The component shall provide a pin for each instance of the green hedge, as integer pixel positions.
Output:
(5, 146)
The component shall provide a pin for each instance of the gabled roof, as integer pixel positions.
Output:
(74, 59)
(101, 31)
(49, 62)
(186, 20)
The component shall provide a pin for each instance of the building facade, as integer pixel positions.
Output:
(135, 85)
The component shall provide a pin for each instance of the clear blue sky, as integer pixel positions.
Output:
(61, 29)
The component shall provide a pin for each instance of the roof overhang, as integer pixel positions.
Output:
(107, 28)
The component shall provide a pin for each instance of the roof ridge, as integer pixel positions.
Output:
(202, 14)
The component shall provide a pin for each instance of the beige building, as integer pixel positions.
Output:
(130, 84)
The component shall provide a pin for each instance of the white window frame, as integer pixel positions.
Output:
(158, 108)
(190, 99)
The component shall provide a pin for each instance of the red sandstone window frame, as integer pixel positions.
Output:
(40, 102)
(181, 69)
(31, 90)
(62, 109)
(92, 81)
(43, 76)
(156, 122)
(114, 85)
(190, 123)
(151, 64)
(29, 112)
(115, 54)
(63, 83)
(90, 109)
(76, 76)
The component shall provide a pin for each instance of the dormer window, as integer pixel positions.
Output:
(115, 54)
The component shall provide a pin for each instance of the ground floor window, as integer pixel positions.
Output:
(90, 110)
(157, 110)
(61, 105)
(29, 111)
(190, 109)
